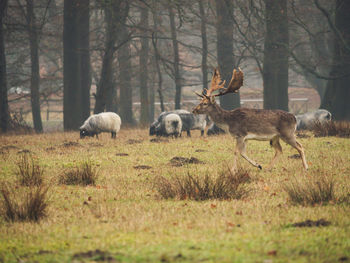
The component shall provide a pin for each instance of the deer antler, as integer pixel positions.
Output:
(235, 83)
(216, 83)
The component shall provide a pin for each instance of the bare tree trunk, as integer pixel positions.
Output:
(84, 44)
(204, 45)
(145, 113)
(275, 71)
(4, 111)
(156, 61)
(224, 13)
(105, 85)
(72, 114)
(337, 95)
(35, 76)
(116, 13)
(125, 68)
(177, 76)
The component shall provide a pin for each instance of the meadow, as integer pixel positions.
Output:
(124, 218)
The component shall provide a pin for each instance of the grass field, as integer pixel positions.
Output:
(122, 218)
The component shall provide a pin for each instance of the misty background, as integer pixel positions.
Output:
(61, 61)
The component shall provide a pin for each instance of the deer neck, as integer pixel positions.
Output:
(216, 113)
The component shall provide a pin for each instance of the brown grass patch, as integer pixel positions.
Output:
(332, 128)
(142, 167)
(133, 141)
(23, 204)
(180, 161)
(85, 174)
(224, 186)
(29, 172)
(159, 139)
(71, 144)
(311, 190)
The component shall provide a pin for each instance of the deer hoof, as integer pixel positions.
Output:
(259, 166)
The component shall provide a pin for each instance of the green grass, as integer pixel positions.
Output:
(122, 216)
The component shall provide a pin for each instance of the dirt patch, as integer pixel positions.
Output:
(95, 144)
(122, 154)
(159, 139)
(311, 223)
(294, 156)
(133, 141)
(42, 252)
(50, 149)
(95, 255)
(24, 151)
(142, 167)
(71, 144)
(180, 161)
(200, 151)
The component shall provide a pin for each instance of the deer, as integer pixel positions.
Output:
(246, 123)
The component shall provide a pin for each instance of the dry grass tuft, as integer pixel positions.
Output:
(23, 204)
(224, 186)
(332, 128)
(29, 171)
(311, 190)
(85, 174)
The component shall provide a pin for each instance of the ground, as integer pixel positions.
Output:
(123, 219)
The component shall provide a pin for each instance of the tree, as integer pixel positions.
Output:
(125, 73)
(34, 58)
(337, 94)
(115, 13)
(4, 112)
(74, 55)
(275, 71)
(84, 53)
(224, 29)
(177, 76)
(204, 45)
(145, 110)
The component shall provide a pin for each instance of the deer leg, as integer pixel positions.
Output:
(241, 149)
(275, 143)
(295, 144)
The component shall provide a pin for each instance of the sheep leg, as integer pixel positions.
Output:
(188, 133)
(114, 135)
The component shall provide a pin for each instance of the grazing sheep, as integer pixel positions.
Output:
(170, 125)
(214, 130)
(102, 122)
(189, 121)
(307, 120)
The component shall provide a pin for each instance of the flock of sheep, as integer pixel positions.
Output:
(173, 123)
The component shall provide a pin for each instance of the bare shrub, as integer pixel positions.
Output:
(23, 204)
(332, 128)
(29, 171)
(224, 186)
(18, 125)
(311, 190)
(85, 174)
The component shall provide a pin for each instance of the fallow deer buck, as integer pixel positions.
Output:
(248, 124)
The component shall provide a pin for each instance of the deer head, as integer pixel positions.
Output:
(207, 99)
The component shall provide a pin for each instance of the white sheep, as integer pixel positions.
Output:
(170, 125)
(102, 122)
(306, 121)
